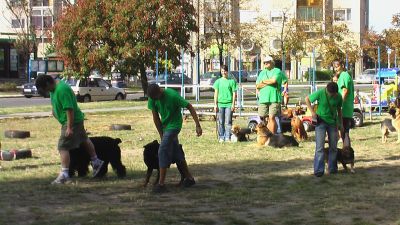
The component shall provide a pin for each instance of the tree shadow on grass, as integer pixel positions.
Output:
(234, 192)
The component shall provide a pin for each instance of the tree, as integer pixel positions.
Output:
(370, 45)
(219, 24)
(123, 33)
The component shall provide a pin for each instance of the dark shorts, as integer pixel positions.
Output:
(78, 137)
(169, 151)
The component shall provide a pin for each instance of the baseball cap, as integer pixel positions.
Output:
(268, 59)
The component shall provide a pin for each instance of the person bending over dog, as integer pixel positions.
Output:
(346, 90)
(73, 133)
(224, 104)
(167, 103)
(328, 117)
(269, 84)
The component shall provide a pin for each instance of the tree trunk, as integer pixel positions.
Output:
(221, 49)
(143, 78)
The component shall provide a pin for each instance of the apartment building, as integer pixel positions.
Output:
(36, 20)
(315, 15)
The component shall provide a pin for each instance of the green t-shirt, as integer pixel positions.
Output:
(63, 98)
(345, 81)
(169, 107)
(226, 88)
(270, 93)
(329, 114)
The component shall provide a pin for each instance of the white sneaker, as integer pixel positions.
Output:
(61, 179)
(221, 140)
(97, 166)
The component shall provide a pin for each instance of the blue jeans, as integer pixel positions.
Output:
(224, 123)
(319, 160)
(169, 151)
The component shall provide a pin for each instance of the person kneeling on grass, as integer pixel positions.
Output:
(73, 133)
(329, 118)
(224, 104)
(167, 103)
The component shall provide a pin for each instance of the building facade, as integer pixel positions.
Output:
(315, 15)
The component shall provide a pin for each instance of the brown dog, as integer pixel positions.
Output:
(266, 138)
(298, 130)
(240, 134)
(391, 125)
(344, 156)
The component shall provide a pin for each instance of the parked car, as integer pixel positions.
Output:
(95, 89)
(209, 78)
(175, 79)
(244, 75)
(252, 77)
(367, 77)
(29, 90)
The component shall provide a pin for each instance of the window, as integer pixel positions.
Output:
(309, 13)
(37, 22)
(103, 83)
(342, 14)
(40, 3)
(16, 23)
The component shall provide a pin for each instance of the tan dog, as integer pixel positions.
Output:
(262, 134)
(391, 125)
(298, 130)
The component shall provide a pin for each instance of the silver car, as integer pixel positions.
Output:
(95, 89)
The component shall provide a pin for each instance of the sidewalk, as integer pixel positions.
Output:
(35, 115)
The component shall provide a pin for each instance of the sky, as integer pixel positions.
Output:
(381, 12)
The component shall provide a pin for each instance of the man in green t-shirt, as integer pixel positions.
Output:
(269, 84)
(168, 104)
(346, 89)
(328, 118)
(224, 103)
(73, 133)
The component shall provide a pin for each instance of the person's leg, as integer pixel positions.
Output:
(319, 160)
(346, 134)
(272, 112)
(332, 159)
(228, 123)
(262, 112)
(221, 123)
(165, 154)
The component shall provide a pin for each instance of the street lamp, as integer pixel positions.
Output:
(389, 51)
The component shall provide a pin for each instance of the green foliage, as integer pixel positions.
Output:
(123, 33)
(324, 75)
(8, 86)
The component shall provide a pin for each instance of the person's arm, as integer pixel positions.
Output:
(70, 122)
(216, 100)
(309, 106)
(233, 101)
(157, 123)
(192, 111)
(345, 93)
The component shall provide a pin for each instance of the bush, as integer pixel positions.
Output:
(8, 86)
(324, 75)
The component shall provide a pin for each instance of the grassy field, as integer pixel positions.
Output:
(236, 183)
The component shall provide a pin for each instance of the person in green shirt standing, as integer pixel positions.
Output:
(73, 133)
(328, 118)
(346, 90)
(168, 104)
(224, 103)
(269, 84)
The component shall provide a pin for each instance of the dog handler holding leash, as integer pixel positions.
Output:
(328, 118)
(167, 103)
(73, 133)
(224, 104)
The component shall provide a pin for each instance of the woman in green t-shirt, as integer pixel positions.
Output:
(224, 104)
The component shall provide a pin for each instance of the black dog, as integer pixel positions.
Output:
(150, 158)
(280, 141)
(107, 149)
(344, 156)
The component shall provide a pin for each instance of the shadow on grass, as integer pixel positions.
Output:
(237, 192)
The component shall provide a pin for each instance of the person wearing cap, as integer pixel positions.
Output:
(269, 84)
